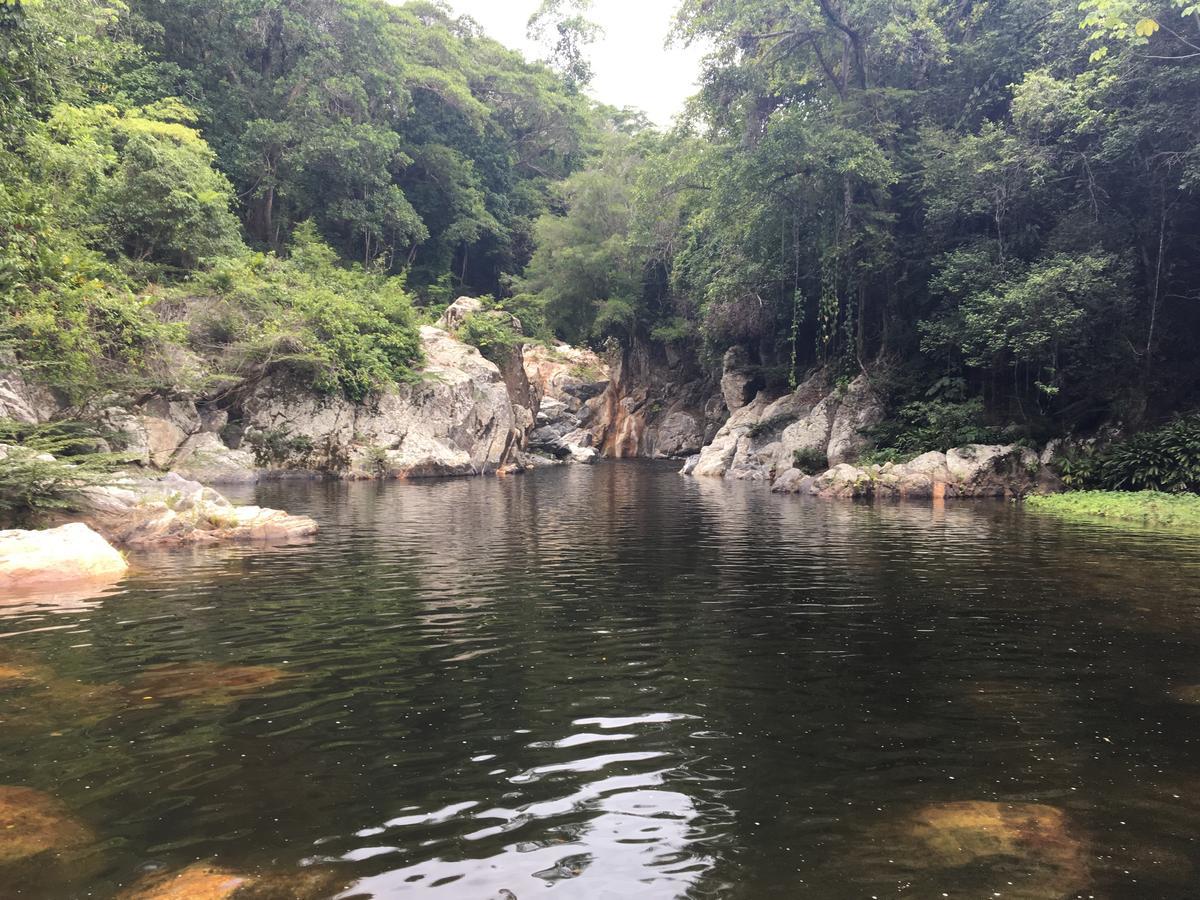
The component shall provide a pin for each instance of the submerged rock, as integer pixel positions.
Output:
(33, 823)
(206, 881)
(206, 682)
(67, 554)
(1032, 841)
(200, 881)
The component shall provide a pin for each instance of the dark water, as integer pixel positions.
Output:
(617, 682)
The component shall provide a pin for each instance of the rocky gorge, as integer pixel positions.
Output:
(529, 405)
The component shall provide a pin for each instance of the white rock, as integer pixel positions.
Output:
(70, 553)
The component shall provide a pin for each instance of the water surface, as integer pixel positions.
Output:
(617, 682)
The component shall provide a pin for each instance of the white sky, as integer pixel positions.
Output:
(631, 65)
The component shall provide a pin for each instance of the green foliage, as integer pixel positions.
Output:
(1179, 513)
(942, 418)
(810, 460)
(68, 315)
(1165, 459)
(138, 182)
(492, 333)
(44, 467)
(348, 330)
(279, 447)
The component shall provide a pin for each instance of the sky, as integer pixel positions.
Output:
(631, 65)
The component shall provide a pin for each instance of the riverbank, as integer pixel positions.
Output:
(1180, 512)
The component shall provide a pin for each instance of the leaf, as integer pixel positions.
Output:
(1145, 28)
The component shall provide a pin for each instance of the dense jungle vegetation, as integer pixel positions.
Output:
(992, 207)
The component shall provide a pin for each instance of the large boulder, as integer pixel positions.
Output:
(173, 510)
(458, 419)
(67, 554)
(458, 312)
(737, 378)
(762, 438)
(976, 470)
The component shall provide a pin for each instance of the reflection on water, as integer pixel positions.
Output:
(614, 682)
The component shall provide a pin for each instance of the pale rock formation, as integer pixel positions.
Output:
(761, 438)
(68, 554)
(976, 470)
(174, 510)
(458, 419)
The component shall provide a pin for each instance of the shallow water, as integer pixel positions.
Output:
(617, 682)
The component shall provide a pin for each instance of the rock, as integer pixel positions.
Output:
(173, 510)
(209, 461)
(207, 682)
(680, 433)
(33, 824)
(737, 378)
(857, 409)
(22, 401)
(1034, 839)
(457, 420)
(793, 481)
(207, 881)
(458, 312)
(70, 553)
(689, 464)
(761, 438)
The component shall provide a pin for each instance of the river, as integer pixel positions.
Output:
(614, 681)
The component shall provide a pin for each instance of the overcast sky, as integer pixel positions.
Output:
(632, 67)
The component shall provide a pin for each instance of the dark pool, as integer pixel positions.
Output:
(613, 681)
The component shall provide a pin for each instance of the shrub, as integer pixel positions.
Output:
(1166, 459)
(45, 466)
(810, 460)
(491, 333)
(348, 330)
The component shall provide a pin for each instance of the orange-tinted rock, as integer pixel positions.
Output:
(206, 682)
(1188, 693)
(205, 881)
(1032, 841)
(33, 823)
(200, 881)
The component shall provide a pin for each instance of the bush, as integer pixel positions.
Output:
(810, 460)
(944, 417)
(491, 333)
(1166, 459)
(348, 330)
(45, 466)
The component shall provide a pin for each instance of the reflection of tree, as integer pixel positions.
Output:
(465, 645)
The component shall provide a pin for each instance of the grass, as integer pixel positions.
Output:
(1178, 512)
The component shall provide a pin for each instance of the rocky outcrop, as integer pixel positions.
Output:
(568, 383)
(69, 554)
(976, 470)
(21, 400)
(648, 401)
(458, 419)
(763, 437)
(173, 510)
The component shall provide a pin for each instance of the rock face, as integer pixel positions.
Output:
(763, 437)
(568, 383)
(22, 401)
(174, 510)
(457, 420)
(68, 554)
(649, 402)
(976, 470)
